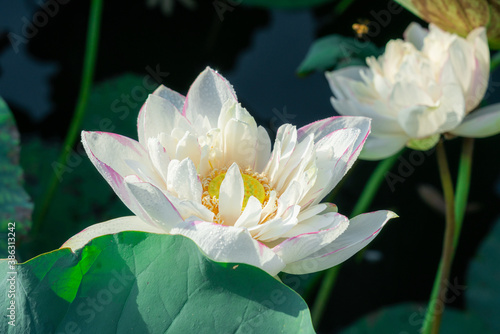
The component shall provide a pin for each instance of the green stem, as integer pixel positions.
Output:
(83, 97)
(333, 194)
(323, 295)
(462, 192)
(361, 206)
(373, 184)
(435, 310)
(463, 185)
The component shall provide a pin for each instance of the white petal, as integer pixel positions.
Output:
(262, 149)
(415, 34)
(130, 223)
(293, 170)
(251, 214)
(160, 115)
(382, 122)
(204, 167)
(420, 121)
(301, 246)
(409, 93)
(207, 95)
(155, 204)
(480, 77)
(272, 166)
(183, 180)
(348, 82)
(284, 146)
(231, 194)
(362, 229)
(276, 227)
(313, 219)
(290, 197)
(462, 59)
(240, 140)
(335, 154)
(109, 153)
(270, 205)
(233, 110)
(481, 123)
(312, 224)
(471, 64)
(114, 150)
(328, 125)
(378, 148)
(188, 209)
(175, 98)
(188, 147)
(141, 170)
(159, 157)
(230, 244)
(313, 211)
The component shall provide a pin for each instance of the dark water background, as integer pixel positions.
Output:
(258, 50)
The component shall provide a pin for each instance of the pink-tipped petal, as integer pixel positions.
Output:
(326, 126)
(96, 144)
(315, 223)
(335, 154)
(130, 223)
(361, 231)
(114, 150)
(298, 247)
(230, 244)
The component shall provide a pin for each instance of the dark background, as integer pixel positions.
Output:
(258, 51)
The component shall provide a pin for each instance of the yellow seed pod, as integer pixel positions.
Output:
(460, 16)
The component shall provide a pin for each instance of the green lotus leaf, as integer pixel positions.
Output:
(136, 282)
(483, 292)
(15, 204)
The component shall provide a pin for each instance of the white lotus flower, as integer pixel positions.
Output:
(418, 89)
(202, 168)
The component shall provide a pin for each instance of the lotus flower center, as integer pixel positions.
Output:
(255, 184)
(252, 188)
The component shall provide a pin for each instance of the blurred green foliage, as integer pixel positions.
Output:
(483, 291)
(408, 318)
(335, 52)
(82, 197)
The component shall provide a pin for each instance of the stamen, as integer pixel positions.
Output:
(256, 184)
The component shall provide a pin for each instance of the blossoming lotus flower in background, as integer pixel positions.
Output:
(202, 168)
(420, 88)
